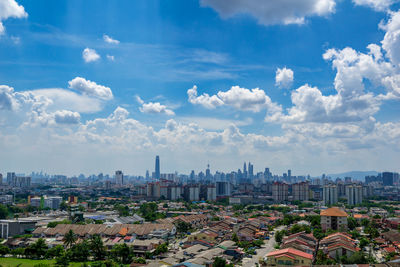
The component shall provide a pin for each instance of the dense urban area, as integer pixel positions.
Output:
(240, 218)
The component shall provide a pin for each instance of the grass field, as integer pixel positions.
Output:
(13, 262)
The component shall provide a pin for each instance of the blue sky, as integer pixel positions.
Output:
(129, 98)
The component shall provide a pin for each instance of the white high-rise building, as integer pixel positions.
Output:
(354, 194)
(119, 178)
(330, 194)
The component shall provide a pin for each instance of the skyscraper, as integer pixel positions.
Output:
(330, 194)
(157, 170)
(388, 178)
(244, 170)
(119, 178)
(251, 171)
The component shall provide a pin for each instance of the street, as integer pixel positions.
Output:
(266, 248)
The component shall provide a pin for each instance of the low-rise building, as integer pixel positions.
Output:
(333, 218)
(289, 256)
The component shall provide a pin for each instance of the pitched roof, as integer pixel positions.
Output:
(290, 251)
(334, 211)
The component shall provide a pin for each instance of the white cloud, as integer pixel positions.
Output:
(154, 108)
(391, 41)
(205, 100)
(284, 78)
(273, 11)
(6, 98)
(91, 88)
(111, 58)
(243, 99)
(378, 5)
(65, 99)
(109, 40)
(66, 117)
(10, 9)
(90, 55)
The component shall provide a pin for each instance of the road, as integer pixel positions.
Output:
(266, 248)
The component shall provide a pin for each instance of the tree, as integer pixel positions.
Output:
(363, 242)
(97, 248)
(54, 252)
(63, 260)
(80, 252)
(182, 227)
(39, 248)
(3, 212)
(121, 253)
(161, 249)
(70, 239)
(352, 223)
(219, 262)
(235, 238)
(17, 252)
(4, 250)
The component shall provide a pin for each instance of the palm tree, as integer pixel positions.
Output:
(70, 239)
(96, 246)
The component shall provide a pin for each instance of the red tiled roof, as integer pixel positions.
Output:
(291, 251)
(334, 211)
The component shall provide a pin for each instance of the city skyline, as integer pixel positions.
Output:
(312, 87)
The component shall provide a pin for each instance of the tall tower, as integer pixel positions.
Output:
(119, 178)
(157, 170)
(244, 170)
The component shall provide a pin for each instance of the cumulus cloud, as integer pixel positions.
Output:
(90, 55)
(210, 102)
(6, 100)
(154, 108)
(67, 117)
(378, 5)
(91, 88)
(109, 40)
(10, 9)
(273, 11)
(284, 78)
(243, 99)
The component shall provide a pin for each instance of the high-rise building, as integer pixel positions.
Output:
(280, 191)
(244, 171)
(354, 194)
(289, 174)
(330, 194)
(223, 188)
(388, 178)
(119, 178)
(300, 191)
(157, 174)
(251, 170)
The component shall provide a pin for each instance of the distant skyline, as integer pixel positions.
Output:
(312, 86)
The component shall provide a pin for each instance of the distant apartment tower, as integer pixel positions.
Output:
(191, 193)
(223, 189)
(119, 178)
(330, 194)
(280, 191)
(301, 191)
(154, 190)
(157, 174)
(1, 179)
(388, 178)
(354, 194)
(18, 181)
(53, 202)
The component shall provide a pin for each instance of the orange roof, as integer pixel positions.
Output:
(123, 231)
(334, 211)
(290, 251)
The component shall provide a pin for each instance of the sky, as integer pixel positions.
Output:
(98, 85)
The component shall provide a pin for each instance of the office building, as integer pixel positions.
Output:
(354, 194)
(6, 199)
(10, 228)
(1, 179)
(280, 191)
(53, 202)
(119, 178)
(330, 194)
(388, 178)
(300, 191)
(157, 174)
